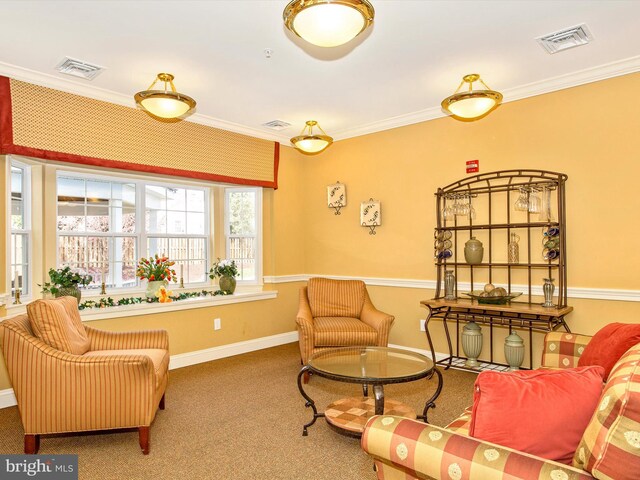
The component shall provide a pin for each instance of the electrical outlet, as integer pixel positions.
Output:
(422, 322)
(217, 324)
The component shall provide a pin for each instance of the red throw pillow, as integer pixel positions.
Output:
(609, 344)
(541, 412)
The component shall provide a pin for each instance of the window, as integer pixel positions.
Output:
(101, 231)
(97, 229)
(243, 212)
(20, 228)
(177, 225)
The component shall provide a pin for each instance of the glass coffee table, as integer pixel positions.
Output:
(375, 366)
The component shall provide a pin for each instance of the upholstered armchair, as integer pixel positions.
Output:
(338, 313)
(609, 448)
(71, 378)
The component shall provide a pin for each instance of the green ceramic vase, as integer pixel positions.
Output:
(69, 292)
(227, 284)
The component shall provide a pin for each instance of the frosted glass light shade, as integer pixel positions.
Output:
(471, 104)
(328, 23)
(165, 105)
(472, 107)
(310, 143)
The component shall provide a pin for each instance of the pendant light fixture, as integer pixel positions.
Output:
(308, 142)
(167, 103)
(471, 104)
(328, 23)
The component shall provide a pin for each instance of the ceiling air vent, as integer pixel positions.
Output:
(276, 125)
(567, 38)
(78, 68)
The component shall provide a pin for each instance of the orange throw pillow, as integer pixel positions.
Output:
(609, 344)
(540, 412)
(57, 323)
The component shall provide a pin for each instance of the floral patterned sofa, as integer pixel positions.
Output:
(609, 449)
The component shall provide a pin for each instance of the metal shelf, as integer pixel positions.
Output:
(493, 264)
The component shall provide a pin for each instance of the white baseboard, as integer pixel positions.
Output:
(421, 351)
(201, 356)
(8, 399)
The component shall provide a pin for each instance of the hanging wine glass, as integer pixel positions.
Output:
(535, 203)
(522, 203)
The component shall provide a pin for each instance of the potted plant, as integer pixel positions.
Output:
(157, 270)
(64, 282)
(226, 270)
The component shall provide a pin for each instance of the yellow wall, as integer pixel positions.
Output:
(588, 132)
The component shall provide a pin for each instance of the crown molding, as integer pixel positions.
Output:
(105, 95)
(589, 75)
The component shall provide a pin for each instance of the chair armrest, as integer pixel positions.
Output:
(563, 350)
(50, 382)
(304, 321)
(104, 340)
(377, 320)
(420, 450)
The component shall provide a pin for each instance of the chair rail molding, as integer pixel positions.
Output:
(573, 292)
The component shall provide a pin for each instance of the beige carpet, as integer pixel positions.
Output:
(240, 418)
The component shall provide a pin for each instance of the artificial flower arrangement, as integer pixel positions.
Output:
(156, 268)
(164, 295)
(224, 268)
(62, 279)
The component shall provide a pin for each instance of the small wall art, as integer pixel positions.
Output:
(337, 196)
(370, 215)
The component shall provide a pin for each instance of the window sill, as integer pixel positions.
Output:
(89, 315)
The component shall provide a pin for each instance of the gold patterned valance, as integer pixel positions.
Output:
(49, 124)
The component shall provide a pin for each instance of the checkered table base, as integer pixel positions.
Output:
(352, 413)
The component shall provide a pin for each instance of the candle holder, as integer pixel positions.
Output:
(16, 300)
(103, 289)
(181, 282)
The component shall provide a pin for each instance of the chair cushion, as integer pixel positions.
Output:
(609, 344)
(610, 446)
(461, 424)
(540, 412)
(343, 332)
(57, 323)
(159, 357)
(335, 298)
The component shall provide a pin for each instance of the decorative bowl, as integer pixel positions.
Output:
(501, 300)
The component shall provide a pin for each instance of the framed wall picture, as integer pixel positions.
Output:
(337, 196)
(370, 215)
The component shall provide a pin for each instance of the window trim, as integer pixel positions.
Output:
(258, 238)
(28, 231)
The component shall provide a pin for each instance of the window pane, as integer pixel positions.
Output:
(197, 249)
(195, 200)
(97, 218)
(19, 262)
(123, 194)
(178, 249)
(195, 272)
(71, 216)
(124, 220)
(195, 223)
(156, 197)
(156, 221)
(71, 249)
(158, 246)
(242, 213)
(98, 193)
(176, 222)
(176, 199)
(17, 198)
(71, 189)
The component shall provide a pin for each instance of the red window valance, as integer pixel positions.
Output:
(50, 124)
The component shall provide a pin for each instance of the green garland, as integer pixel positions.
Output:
(110, 302)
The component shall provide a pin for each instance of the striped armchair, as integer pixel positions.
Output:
(119, 382)
(610, 447)
(338, 313)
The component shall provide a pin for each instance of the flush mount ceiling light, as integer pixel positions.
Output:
(328, 23)
(309, 143)
(167, 103)
(471, 104)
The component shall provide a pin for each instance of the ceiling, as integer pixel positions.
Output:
(394, 74)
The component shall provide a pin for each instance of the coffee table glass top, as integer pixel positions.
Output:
(370, 363)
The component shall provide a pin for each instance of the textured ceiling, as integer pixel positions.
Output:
(396, 73)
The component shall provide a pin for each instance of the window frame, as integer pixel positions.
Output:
(140, 234)
(27, 229)
(258, 236)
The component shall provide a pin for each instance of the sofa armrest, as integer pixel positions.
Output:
(377, 320)
(419, 450)
(49, 382)
(562, 349)
(105, 340)
(304, 321)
